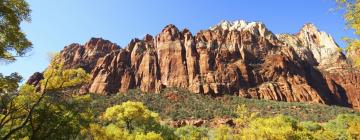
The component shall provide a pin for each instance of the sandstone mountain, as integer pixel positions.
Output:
(239, 58)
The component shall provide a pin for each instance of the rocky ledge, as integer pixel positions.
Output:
(239, 58)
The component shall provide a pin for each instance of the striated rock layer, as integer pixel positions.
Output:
(238, 58)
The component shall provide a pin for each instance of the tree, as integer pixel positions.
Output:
(352, 17)
(9, 84)
(345, 126)
(130, 120)
(244, 116)
(132, 115)
(277, 128)
(13, 41)
(25, 112)
(62, 79)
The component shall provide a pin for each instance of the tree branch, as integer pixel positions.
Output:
(12, 131)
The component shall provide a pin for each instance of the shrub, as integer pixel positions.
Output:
(191, 133)
(277, 128)
(344, 126)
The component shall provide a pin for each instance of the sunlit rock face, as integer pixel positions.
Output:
(314, 46)
(86, 56)
(238, 58)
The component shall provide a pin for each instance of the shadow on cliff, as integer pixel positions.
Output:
(318, 82)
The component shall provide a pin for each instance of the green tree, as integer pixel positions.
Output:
(13, 41)
(244, 116)
(25, 112)
(345, 126)
(9, 84)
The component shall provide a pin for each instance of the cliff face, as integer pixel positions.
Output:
(238, 58)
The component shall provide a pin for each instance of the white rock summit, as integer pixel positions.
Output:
(314, 46)
(317, 47)
(256, 28)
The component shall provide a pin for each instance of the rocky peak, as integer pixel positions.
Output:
(257, 29)
(310, 28)
(86, 56)
(148, 38)
(314, 46)
(169, 33)
(227, 25)
(312, 37)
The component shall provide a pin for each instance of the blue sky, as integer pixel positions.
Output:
(57, 23)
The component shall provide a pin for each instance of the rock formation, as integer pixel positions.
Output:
(238, 58)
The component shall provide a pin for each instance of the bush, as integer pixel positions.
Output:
(280, 127)
(191, 133)
(345, 126)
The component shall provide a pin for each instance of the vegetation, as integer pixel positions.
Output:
(24, 112)
(13, 41)
(176, 104)
(144, 124)
(352, 17)
(77, 117)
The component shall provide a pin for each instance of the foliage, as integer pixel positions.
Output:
(33, 114)
(352, 17)
(244, 116)
(223, 132)
(52, 117)
(13, 41)
(63, 78)
(131, 116)
(184, 105)
(344, 126)
(352, 13)
(79, 117)
(9, 84)
(191, 133)
(280, 127)
(130, 120)
(248, 114)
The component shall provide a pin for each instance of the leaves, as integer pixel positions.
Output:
(9, 84)
(352, 17)
(131, 115)
(57, 78)
(13, 41)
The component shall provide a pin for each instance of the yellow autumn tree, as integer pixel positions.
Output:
(131, 121)
(352, 17)
(24, 114)
(131, 115)
(56, 77)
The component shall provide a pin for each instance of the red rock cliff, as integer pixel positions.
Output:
(238, 58)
